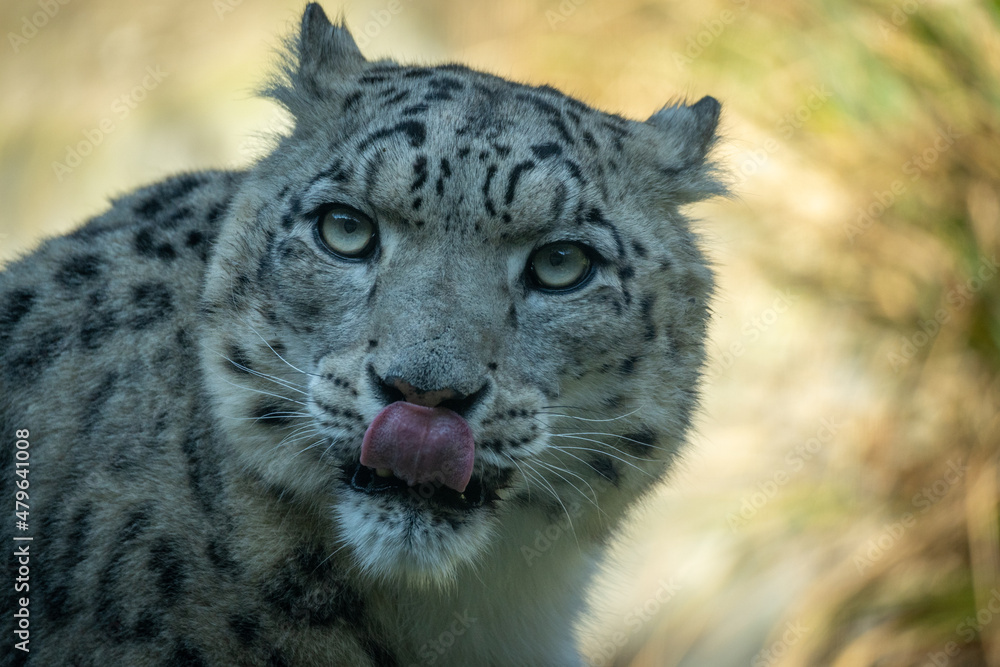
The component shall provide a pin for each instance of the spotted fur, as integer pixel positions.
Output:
(197, 372)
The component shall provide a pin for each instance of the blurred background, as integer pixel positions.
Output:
(838, 505)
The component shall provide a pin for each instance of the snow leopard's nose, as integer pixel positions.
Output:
(395, 388)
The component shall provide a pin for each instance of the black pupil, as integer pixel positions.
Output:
(350, 226)
(558, 256)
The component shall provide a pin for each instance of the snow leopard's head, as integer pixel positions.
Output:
(447, 304)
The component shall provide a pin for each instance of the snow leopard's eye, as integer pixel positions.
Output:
(347, 232)
(560, 266)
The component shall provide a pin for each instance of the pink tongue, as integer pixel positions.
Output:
(420, 444)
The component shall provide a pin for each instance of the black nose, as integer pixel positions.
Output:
(395, 388)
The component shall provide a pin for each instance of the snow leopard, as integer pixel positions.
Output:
(381, 398)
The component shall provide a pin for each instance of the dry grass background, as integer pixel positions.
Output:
(839, 503)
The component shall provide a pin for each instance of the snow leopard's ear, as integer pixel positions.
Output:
(315, 62)
(685, 137)
(324, 46)
(689, 130)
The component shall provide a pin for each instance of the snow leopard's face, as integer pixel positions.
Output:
(448, 300)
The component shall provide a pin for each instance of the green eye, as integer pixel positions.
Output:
(347, 232)
(560, 266)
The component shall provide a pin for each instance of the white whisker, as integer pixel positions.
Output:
(555, 495)
(565, 448)
(512, 460)
(287, 363)
(585, 419)
(557, 470)
(298, 434)
(288, 415)
(259, 391)
(611, 435)
(306, 449)
(284, 383)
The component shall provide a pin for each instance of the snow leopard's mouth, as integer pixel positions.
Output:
(478, 492)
